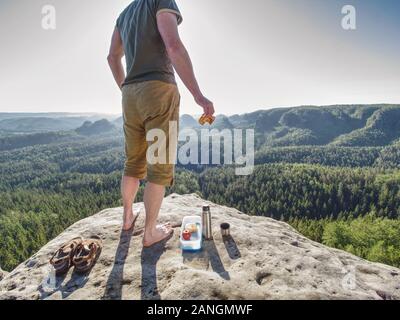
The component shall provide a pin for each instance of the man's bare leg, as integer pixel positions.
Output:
(129, 189)
(153, 197)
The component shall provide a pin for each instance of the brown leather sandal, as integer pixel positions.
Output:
(87, 254)
(62, 258)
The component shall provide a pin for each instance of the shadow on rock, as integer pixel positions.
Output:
(231, 247)
(149, 259)
(115, 279)
(215, 259)
(52, 284)
(207, 256)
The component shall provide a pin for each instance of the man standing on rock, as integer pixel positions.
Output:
(146, 33)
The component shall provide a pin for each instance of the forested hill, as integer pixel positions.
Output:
(340, 125)
(331, 172)
(337, 126)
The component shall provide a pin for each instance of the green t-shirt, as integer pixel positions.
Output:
(145, 52)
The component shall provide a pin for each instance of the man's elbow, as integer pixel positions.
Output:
(112, 58)
(174, 48)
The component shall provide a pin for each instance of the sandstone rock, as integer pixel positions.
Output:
(2, 274)
(263, 259)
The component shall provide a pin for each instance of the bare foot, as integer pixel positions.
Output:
(129, 220)
(160, 233)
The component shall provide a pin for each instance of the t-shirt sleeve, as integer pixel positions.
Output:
(118, 22)
(169, 6)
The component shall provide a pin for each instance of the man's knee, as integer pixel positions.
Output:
(162, 175)
(130, 179)
(135, 171)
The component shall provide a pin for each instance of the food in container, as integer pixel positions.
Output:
(195, 241)
(186, 235)
(192, 227)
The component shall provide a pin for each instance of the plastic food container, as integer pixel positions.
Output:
(195, 242)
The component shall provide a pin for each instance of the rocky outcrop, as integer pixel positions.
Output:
(263, 259)
(2, 274)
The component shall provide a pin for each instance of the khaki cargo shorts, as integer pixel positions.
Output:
(149, 107)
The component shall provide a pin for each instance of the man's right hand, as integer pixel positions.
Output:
(206, 104)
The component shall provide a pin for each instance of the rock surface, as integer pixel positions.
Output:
(263, 259)
(2, 274)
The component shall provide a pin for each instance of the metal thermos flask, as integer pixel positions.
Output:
(206, 220)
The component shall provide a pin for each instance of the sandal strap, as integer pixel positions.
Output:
(55, 261)
(73, 244)
(78, 260)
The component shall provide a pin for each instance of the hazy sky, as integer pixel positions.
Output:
(248, 55)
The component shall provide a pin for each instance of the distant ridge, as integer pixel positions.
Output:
(15, 115)
(99, 127)
(337, 125)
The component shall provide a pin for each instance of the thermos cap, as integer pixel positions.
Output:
(206, 208)
(225, 226)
